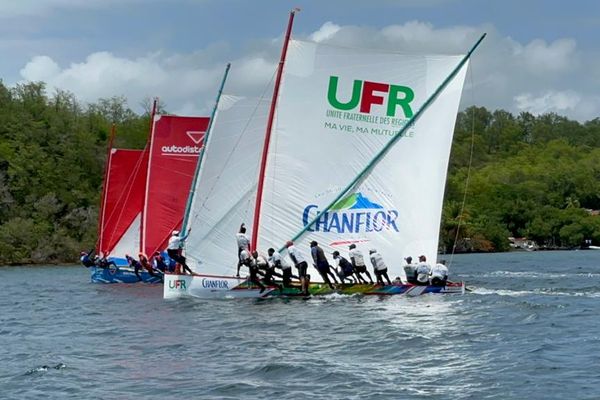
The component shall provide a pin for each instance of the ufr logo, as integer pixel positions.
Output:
(177, 284)
(366, 94)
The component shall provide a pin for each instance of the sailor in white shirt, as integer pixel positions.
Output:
(439, 274)
(379, 267)
(243, 242)
(174, 249)
(300, 263)
(358, 262)
(423, 270)
(410, 270)
(249, 261)
(276, 261)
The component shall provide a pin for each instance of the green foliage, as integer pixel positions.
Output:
(52, 152)
(534, 177)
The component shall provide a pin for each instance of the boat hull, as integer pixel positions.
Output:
(210, 286)
(121, 275)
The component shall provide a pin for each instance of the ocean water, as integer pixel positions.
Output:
(529, 329)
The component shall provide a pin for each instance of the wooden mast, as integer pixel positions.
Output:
(99, 243)
(263, 163)
(149, 150)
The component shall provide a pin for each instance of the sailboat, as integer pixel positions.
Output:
(356, 151)
(144, 194)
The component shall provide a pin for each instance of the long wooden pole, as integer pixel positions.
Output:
(148, 149)
(190, 200)
(265, 153)
(99, 242)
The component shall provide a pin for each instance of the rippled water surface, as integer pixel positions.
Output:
(528, 330)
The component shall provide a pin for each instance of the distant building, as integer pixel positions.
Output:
(522, 243)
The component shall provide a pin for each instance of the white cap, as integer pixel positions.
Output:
(175, 232)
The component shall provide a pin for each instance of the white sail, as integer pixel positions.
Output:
(225, 190)
(337, 109)
(130, 241)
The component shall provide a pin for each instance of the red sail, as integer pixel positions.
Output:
(124, 199)
(174, 148)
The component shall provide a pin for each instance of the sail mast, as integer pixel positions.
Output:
(190, 200)
(149, 149)
(391, 143)
(263, 163)
(99, 242)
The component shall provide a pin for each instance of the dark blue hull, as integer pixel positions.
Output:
(122, 274)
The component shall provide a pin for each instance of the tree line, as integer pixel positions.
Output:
(529, 176)
(52, 153)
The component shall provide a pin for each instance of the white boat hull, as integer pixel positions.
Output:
(211, 286)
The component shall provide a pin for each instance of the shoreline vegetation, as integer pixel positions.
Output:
(532, 177)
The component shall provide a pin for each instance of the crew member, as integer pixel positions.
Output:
(135, 264)
(175, 248)
(158, 262)
(345, 269)
(243, 242)
(410, 270)
(248, 261)
(266, 270)
(146, 264)
(321, 264)
(379, 267)
(358, 263)
(87, 258)
(423, 271)
(103, 263)
(301, 264)
(439, 274)
(276, 261)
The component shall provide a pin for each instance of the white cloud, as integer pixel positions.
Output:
(549, 101)
(185, 88)
(574, 104)
(326, 31)
(536, 76)
(557, 56)
(40, 68)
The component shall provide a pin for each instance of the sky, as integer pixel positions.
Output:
(539, 55)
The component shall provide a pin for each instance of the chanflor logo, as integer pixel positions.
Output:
(353, 214)
(364, 95)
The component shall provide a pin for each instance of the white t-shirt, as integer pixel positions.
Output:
(175, 242)
(277, 259)
(242, 241)
(244, 255)
(423, 270)
(295, 255)
(359, 260)
(377, 261)
(439, 271)
(261, 261)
